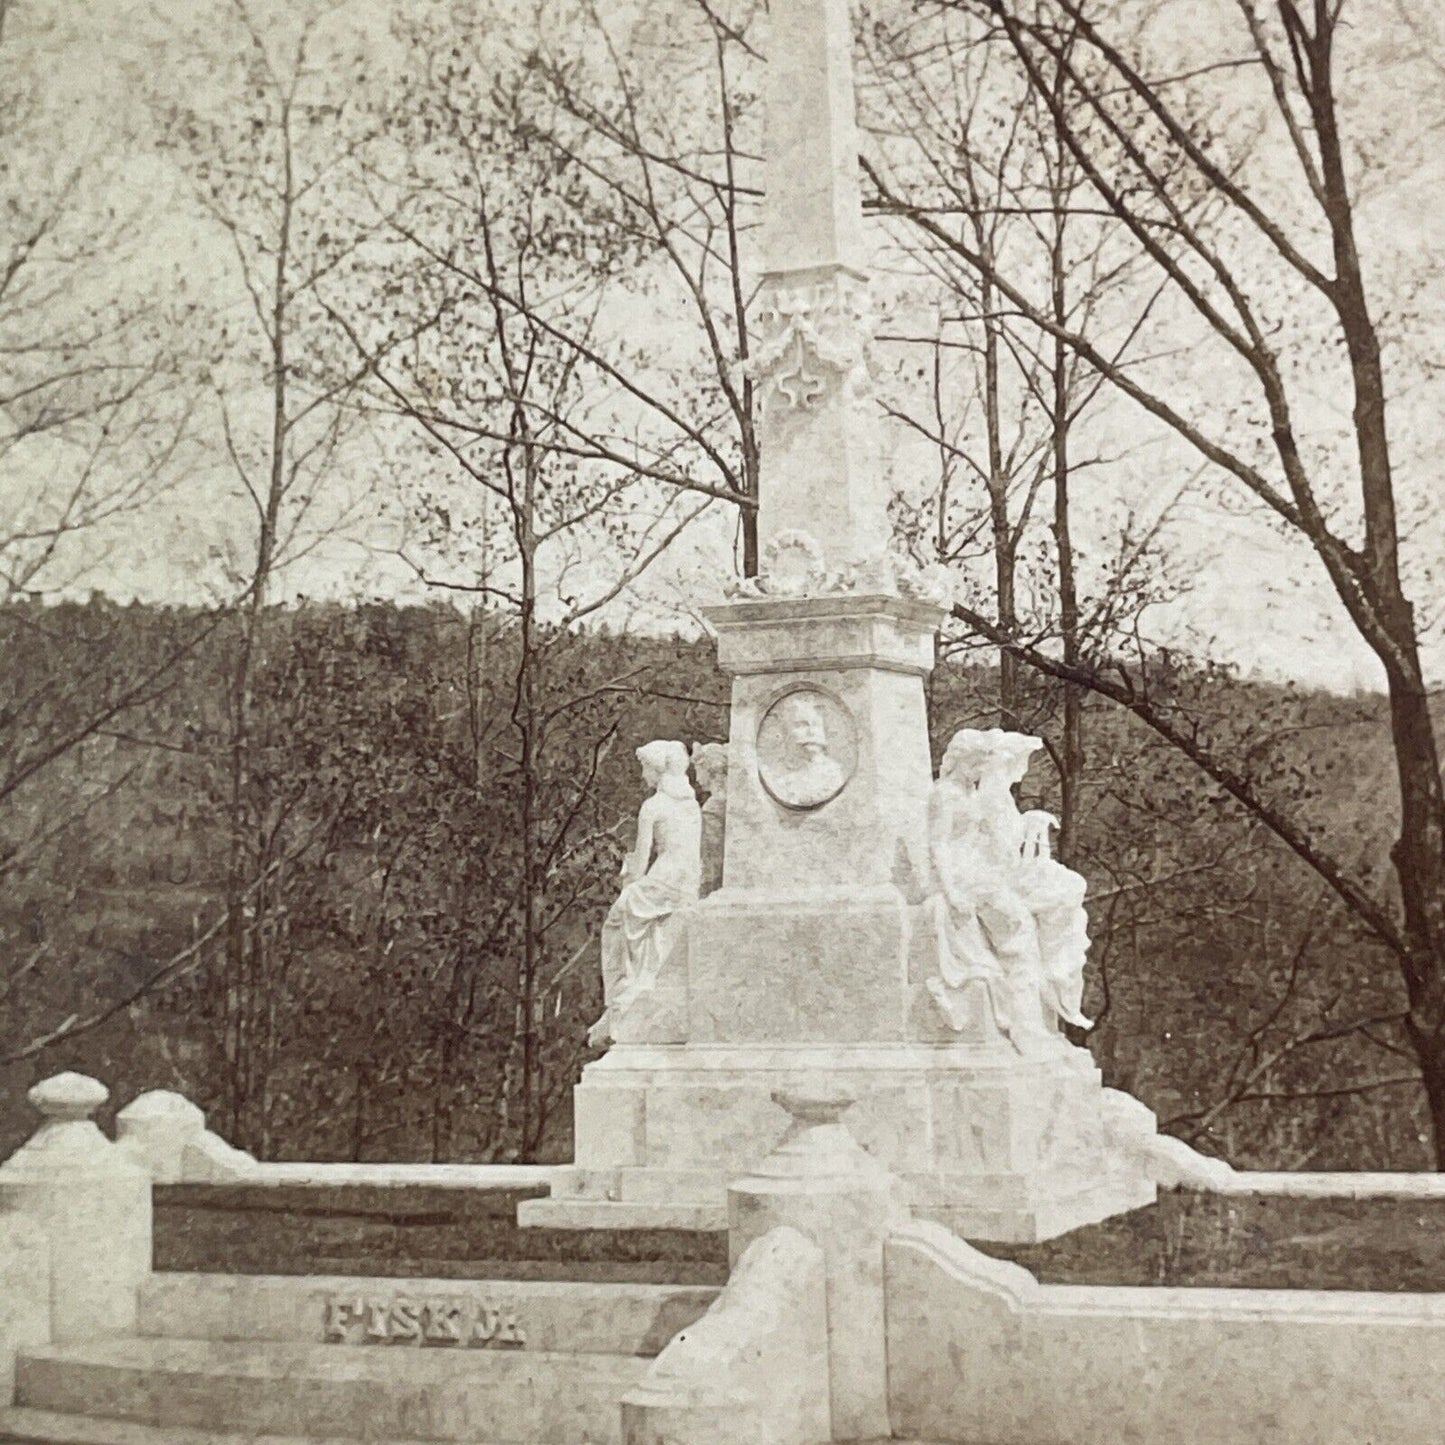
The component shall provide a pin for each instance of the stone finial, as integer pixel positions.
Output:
(817, 1149)
(167, 1133)
(158, 1104)
(814, 1106)
(68, 1138)
(821, 1182)
(68, 1097)
(158, 1128)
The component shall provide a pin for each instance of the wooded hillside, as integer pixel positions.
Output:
(321, 933)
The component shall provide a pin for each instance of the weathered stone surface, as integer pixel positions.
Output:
(93, 1204)
(978, 1350)
(324, 1392)
(166, 1134)
(819, 1182)
(554, 1316)
(815, 966)
(754, 1367)
(24, 1291)
(998, 1146)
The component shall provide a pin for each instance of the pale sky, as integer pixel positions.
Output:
(1251, 597)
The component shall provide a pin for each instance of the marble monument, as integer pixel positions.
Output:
(908, 942)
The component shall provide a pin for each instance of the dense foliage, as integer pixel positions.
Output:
(377, 1013)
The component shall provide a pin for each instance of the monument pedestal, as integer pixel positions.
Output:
(827, 990)
(836, 956)
(992, 1145)
(814, 968)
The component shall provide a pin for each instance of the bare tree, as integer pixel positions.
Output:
(1006, 399)
(271, 154)
(656, 190)
(93, 408)
(528, 502)
(1252, 277)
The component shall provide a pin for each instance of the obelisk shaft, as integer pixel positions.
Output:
(813, 213)
(820, 470)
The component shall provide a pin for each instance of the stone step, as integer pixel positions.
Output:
(42, 1427)
(22, 1426)
(516, 1396)
(574, 1317)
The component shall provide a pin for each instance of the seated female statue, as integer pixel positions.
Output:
(1011, 918)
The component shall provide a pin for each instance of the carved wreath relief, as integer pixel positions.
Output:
(793, 565)
(807, 748)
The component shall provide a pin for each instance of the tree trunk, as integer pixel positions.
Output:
(1000, 525)
(526, 718)
(1071, 750)
(1419, 860)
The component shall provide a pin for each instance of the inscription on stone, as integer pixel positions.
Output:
(442, 1320)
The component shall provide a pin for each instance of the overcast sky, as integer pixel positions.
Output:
(1250, 597)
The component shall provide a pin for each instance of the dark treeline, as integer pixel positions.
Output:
(317, 926)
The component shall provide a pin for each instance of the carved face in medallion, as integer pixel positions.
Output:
(807, 748)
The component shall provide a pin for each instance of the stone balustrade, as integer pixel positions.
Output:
(90, 1202)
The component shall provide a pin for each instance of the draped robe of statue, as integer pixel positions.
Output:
(1010, 918)
(661, 877)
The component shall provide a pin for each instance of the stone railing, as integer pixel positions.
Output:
(167, 1133)
(76, 1235)
(75, 1226)
(844, 1318)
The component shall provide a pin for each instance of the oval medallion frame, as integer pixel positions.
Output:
(807, 747)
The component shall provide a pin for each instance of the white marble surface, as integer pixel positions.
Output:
(93, 1204)
(1001, 1146)
(754, 1367)
(24, 1290)
(166, 1134)
(555, 1316)
(819, 1182)
(402, 1176)
(321, 1392)
(979, 1350)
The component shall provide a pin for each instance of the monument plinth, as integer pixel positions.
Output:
(903, 942)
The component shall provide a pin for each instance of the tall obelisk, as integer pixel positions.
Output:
(809, 968)
(821, 471)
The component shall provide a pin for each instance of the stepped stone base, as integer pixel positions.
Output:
(994, 1145)
(335, 1392)
(277, 1355)
(47, 1427)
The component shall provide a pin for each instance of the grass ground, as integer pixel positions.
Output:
(424, 1233)
(1252, 1242)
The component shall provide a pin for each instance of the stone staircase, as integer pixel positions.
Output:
(391, 1316)
(221, 1358)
